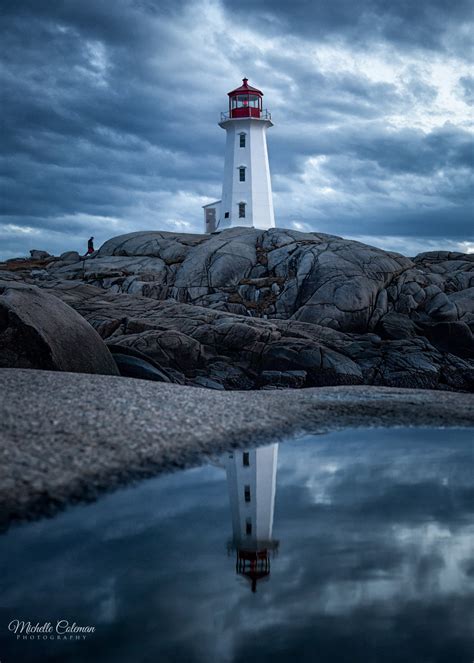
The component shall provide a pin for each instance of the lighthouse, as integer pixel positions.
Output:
(247, 198)
(251, 480)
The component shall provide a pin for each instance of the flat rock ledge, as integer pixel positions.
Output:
(67, 437)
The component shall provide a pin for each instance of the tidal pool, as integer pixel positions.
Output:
(351, 546)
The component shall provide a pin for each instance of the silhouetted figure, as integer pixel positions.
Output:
(90, 245)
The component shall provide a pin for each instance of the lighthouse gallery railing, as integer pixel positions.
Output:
(264, 115)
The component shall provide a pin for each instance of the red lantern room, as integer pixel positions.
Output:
(245, 101)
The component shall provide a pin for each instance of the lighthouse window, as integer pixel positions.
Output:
(248, 526)
(245, 100)
(247, 493)
(242, 140)
(241, 210)
(242, 178)
(246, 459)
(242, 101)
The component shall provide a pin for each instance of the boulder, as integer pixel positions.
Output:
(69, 256)
(38, 330)
(39, 255)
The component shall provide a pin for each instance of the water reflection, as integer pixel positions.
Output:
(251, 480)
(375, 562)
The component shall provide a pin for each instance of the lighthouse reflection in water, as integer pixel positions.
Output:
(251, 479)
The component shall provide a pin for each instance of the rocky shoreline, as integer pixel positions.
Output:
(245, 310)
(68, 437)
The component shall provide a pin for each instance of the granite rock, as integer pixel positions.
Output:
(241, 352)
(39, 255)
(39, 331)
(245, 303)
(284, 274)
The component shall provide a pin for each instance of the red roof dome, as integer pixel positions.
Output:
(245, 88)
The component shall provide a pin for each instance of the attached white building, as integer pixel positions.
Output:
(247, 198)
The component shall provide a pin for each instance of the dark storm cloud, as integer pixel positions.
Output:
(109, 111)
(407, 223)
(408, 151)
(423, 24)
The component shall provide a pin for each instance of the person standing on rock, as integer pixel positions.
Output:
(90, 245)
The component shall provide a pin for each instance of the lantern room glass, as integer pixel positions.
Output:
(246, 101)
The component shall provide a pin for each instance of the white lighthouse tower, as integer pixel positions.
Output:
(247, 198)
(251, 479)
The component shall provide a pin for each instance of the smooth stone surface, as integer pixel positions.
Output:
(39, 331)
(83, 434)
(134, 367)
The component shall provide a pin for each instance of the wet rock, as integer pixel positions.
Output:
(133, 367)
(132, 363)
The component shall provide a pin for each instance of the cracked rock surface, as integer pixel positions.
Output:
(252, 309)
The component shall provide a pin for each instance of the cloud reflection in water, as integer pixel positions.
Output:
(374, 561)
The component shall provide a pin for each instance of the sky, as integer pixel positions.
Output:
(110, 111)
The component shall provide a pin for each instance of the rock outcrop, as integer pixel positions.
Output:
(216, 349)
(316, 278)
(39, 331)
(247, 309)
